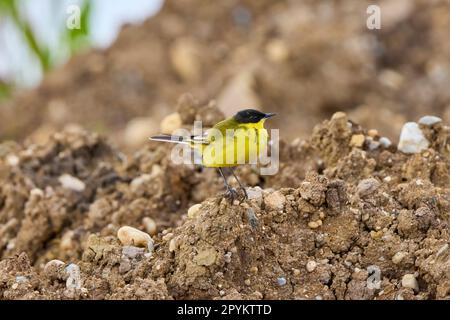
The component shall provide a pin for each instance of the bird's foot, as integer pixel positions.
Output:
(231, 194)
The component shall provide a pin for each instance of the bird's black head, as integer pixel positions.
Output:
(251, 116)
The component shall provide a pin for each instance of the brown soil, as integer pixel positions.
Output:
(339, 212)
(315, 236)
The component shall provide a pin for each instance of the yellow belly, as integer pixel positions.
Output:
(243, 147)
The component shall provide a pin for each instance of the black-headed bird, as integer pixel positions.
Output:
(237, 140)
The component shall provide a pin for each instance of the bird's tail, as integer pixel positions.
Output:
(171, 138)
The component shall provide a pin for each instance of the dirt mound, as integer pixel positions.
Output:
(303, 59)
(347, 217)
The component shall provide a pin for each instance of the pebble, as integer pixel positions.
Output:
(137, 182)
(275, 201)
(410, 281)
(296, 272)
(149, 225)
(247, 282)
(357, 140)
(385, 142)
(227, 257)
(367, 186)
(281, 281)
(130, 236)
(398, 257)
(131, 252)
(311, 265)
(173, 245)
(12, 160)
(412, 139)
(255, 193)
(372, 132)
(254, 269)
(72, 183)
(36, 192)
(52, 266)
(171, 123)
(315, 224)
(74, 278)
(21, 279)
(194, 211)
(429, 120)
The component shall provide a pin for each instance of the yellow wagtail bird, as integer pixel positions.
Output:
(229, 143)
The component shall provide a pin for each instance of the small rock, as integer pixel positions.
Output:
(130, 236)
(132, 252)
(194, 211)
(74, 276)
(12, 160)
(227, 257)
(281, 281)
(410, 281)
(311, 265)
(357, 140)
(53, 268)
(247, 282)
(275, 201)
(255, 193)
(373, 133)
(173, 245)
(171, 123)
(21, 279)
(72, 183)
(385, 142)
(314, 224)
(429, 120)
(124, 266)
(398, 257)
(367, 186)
(149, 225)
(412, 139)
(254, 270)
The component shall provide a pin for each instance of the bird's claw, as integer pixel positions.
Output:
(231, 194)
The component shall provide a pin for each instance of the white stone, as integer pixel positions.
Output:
(412, 139)
(410, 281)
(311, 265)
(385, 142)
(150, 225)
(275, 201)
(74, 278)
(429, 120)
(71, 183)
(130, 236)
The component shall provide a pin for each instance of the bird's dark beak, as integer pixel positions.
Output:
(269, 115)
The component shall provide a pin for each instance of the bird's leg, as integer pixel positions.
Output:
(231, 193)
(240, 184)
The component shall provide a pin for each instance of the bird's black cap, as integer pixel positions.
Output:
(251, 116)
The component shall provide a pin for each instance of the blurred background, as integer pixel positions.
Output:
(125, 68)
